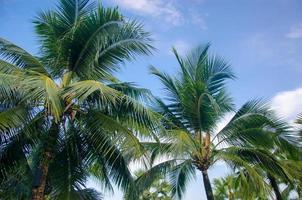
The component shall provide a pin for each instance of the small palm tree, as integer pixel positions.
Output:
(149, 187)
(64, 117)
(224, 188)
(196, 101)
(238, 186)
(292, 153)
(288, 152)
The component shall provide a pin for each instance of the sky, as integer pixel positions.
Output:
(261, 39)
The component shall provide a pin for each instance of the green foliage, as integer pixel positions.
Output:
(196, 102)
(64, 109)
(237, 186)
(149, 188)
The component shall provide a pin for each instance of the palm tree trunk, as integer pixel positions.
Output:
(207, 143)
(207, 185)
(275, 187)
(40, 179)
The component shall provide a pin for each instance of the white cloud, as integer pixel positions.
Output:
(165, 11)
(288, 104)
(295, 31)
(273, 50)
(156, 8)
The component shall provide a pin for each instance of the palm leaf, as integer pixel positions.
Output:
(20, 57)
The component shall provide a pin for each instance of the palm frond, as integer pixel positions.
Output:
(14, 118)
(168, 82)
(20, 57)
(180, 176)
(147, 178)
(244, 156)
(42, 88)
(129, 89)
(255, 124)
(103, 146)
(82, 89)
(98, 120)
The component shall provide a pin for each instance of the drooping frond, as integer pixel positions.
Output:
(43, 89)
(129, 89)
(253, 124)
(98, 120)
(103, 146)
(248, 156)
(82, 89)
(19, 57)
(180, 177)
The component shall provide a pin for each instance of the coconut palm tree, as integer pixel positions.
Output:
(238, 186)
(292, 153)
(149, 188)
(63, 113)
(224, 188)
(242, 185)
(196, 102)
(288, 152)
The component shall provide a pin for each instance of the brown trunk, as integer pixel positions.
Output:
(207, 185)
(39, 183)
(207, 143)
(40, 179)
(275, 187)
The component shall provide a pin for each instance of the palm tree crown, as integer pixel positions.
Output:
(196, 101)
(64, 116)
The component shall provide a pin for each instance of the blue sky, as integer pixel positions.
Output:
(262, 39)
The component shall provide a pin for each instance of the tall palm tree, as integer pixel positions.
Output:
(63, 114)
(196, 101)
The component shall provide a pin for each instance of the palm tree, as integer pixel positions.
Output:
(292, 152)
(242, 185)
(238, 186)
(196, 101)
(149, 187)
(224, 188)
(288, 152)
(63, 113)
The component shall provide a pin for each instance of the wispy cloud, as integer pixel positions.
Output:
(156, 8)
(165, 11)
(295, 32)
(288, 104)
(260, 45)
(199, 20)
(274, 49)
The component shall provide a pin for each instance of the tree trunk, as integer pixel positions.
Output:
(207, 185)
(40, 179)
(207, 143)
(275, 187)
